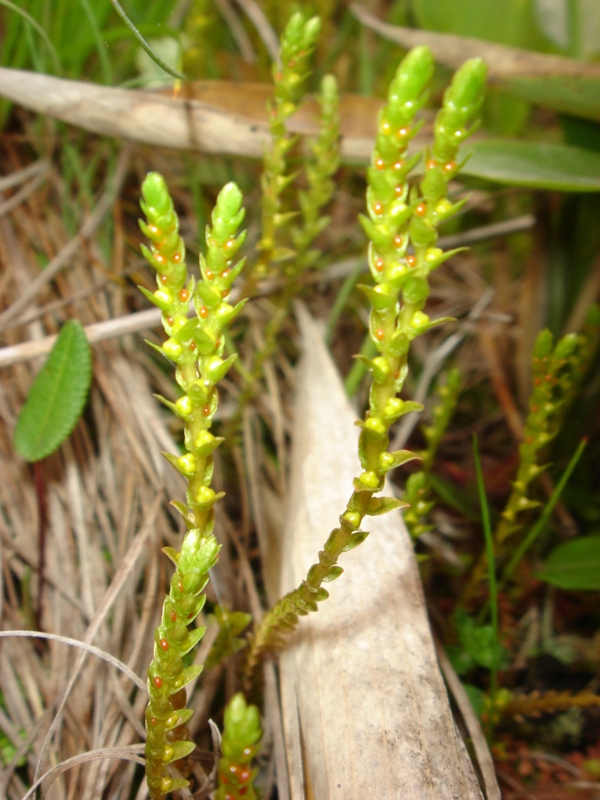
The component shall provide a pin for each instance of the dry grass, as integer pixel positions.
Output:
(72, 715)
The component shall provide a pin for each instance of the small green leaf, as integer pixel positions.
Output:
(381, 505)
(356, 538)
(334, 572)
(181, 749)
(574, 565)
(57, 396)
(537, 165)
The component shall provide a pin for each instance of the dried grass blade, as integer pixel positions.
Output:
(126, 753)
(96, 651)
(119, 581)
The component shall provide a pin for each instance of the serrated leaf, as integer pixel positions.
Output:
(57, 396)
(536, 165)
(574, 565)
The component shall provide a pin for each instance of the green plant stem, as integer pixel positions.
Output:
(196, 347)
(540, 525)
(541, 426)
(239, 746)
(419, 485)
(297, 45)
(396, 315)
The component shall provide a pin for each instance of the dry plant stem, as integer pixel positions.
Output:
(40, 491)
(22, 195)
(97, 332)
(397, 299)
(125, 753)
(22, 175)
(83, 646)
(238, 31)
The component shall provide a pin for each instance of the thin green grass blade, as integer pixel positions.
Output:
(358, 370)
(489, 546)
(342, 298)
(57, 396)
(38, 29)
(144, 44)
(100, 45)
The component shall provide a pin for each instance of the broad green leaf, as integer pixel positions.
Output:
(574, 565)
(508, 22)
(572, 94)
(535, 165)
(57, 396)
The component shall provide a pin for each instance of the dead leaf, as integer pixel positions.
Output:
(561, 83)
(212, 116)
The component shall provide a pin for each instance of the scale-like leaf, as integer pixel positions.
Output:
(57, 396)
(536, 165)
(574, 565)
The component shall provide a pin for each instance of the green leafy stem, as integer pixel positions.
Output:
(196, 346)
(396, 217)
